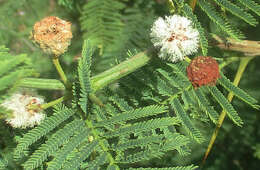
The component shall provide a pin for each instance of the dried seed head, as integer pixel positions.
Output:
(52, 34)
(203, 71)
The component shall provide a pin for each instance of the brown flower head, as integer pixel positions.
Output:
(52, 34)
(203, 71)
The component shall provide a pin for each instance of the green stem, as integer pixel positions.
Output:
(38, 83)
(52, 103)
(242, 66)
(101, 80)
(47, 105)
(95, 99)
(56, 63)
(101, 144)
(230, 60)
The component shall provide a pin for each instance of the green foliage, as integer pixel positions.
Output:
(61, 114)
(3, 164)
(219, 20)
(175, 168)
(84, 75)
(186, 120)
(237, 11)
(101, 22)
(226, 106)
(12, 69)
(251, 5)
(148, 118)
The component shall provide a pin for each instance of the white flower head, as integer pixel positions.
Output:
(22, 116)
(176, 37)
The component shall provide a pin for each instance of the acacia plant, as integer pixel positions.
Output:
(131, 83)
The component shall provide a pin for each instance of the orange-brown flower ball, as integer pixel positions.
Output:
(52, 34)
(203, 71)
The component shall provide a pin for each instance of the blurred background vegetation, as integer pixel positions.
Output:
(235, 148)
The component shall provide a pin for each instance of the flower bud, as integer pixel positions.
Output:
(52, 34)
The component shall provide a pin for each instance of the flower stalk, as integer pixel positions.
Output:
(52, 103)
(56, 63)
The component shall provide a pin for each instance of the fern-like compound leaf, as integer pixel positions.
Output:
(251, 4)
(142, 156)
(9, 64)
(78, 156)
(221, 23)
(133, 114)
(205, 105)
(191, 167)
(84, 74)
(101, 22)
(3, 164)
(241, 94)
(203, 40)
(175, 141)
(237, 11)
(120, 103)
(182, 115)
(143, 126)
(169, 78)
(98, 162)
(138, 142)
(52, 145)
(12, 70)
(224, 103)
(61, 114)
(61, 156)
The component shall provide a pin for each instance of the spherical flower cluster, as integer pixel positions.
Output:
(22, 116)
(176, 37)
(203, 71)
(52, 34)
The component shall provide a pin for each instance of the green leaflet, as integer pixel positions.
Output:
(221, 99)
(191, 167)
(12, 69)
(236, 10)
(133, 114)
(84, 74)
(52, 144)
(241, 94)
(143, 126)
(216, 18)
(205, 105)
(182, 115)
(251, 5)
(61, 156)
(203, 40)
(78, 156)
(99, 161)
(101, 22)
(48, 124)
(139, 142)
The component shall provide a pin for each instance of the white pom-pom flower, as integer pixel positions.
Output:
(176, 37)
(22, 115)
